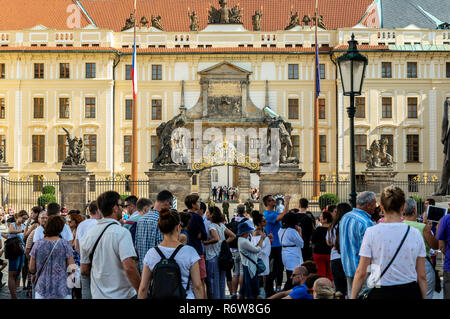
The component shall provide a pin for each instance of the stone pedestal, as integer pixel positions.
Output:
(4, 172)
(176, 179)
(204, 190)
(72, 186)
(286, 181)
(377, 179)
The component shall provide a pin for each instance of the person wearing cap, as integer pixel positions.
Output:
(249, 256)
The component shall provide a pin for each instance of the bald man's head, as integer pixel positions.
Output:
(299, 275)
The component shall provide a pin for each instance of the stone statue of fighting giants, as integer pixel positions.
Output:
(445, 139)
(75, 155)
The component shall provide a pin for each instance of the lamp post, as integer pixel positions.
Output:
(352, 66)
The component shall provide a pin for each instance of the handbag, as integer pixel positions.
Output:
(365, 292)
(260, 267)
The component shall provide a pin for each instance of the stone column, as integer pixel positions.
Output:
(378, 178)
(72, 186)
(204, 189)
(4, 172)
(286, 181)
(173, 178)
(243, 183)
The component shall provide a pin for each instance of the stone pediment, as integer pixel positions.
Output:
(225, 69)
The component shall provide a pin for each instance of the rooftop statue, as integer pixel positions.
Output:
(129, 22)
(295, 21)
(225, 15)
(256, 21)
(194, 21)
(156, 22)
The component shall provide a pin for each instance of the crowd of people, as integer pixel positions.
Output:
(373, 251)
(221, 193)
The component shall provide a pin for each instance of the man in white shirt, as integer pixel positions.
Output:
(113, 272)
(130, 206)
(53, 209)
(82, 229)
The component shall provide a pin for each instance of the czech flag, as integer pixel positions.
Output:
(133, 73)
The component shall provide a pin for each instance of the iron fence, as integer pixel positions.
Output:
(123, 187)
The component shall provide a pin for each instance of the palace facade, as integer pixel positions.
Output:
(66, 64)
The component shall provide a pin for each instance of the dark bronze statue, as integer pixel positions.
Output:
(445, 139)
(306, 20)
(156, 22)
(129, 22)
(144, 21)
(256, 21)
(224, 15)
(295, 21)
(194, 21)
(164, 132)
(76, 151)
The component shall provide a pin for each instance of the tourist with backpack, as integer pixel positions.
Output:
(216, 235)
(251, 265)
(237, 268)
(107, 253)
(171, 269)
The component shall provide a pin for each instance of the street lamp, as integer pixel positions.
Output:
(352, 66)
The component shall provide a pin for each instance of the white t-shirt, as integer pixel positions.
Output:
(185, 258)
(334, 253)
(264, 254)
(213, 250)
(292, 256)
(108, 277)
(84, 226)
(380, 243)
(65, 234)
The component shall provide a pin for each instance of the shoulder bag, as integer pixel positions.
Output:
(260, 267)
(364, 293)
(91, 255)
(38, 274)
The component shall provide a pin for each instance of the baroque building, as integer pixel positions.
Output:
(70, 67)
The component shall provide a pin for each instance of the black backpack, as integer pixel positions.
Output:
(166, 278)
(233, 226)
(226, 261)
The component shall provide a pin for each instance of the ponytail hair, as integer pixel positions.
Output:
(168, 220)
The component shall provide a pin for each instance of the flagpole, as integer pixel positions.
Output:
(316, 165)
(134, 153)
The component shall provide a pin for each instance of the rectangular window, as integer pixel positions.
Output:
(360, 103)
(64, 108)
(413, 186)
(154, 147)
(156, 109)
(156, 72)
(293, 71)
(38, 109)
(412, 148)
(90, 70)
(323, 148)
(412, 107)
(447, 67)
(63, 148)
(90, 147)
(412, 70)
(322, 109)
(92, 183)
(386, 107)
(3, 147)
(296, 146)
(390, 145)
(127, 141)
(293, 109)
(360, 147)
(3, 71)
(128, 109)
(39, 70)
(322, 71)
(386, 70)
(2, 108)
(128, 72)
(38, 183)
(64, 71)
(90, 108)
(38, 148)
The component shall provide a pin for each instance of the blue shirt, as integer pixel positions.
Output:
(352, 227)
(444, 234)
(300, 292)
(147, 234)
(272, 226)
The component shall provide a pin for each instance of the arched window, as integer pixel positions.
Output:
(215, 176)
